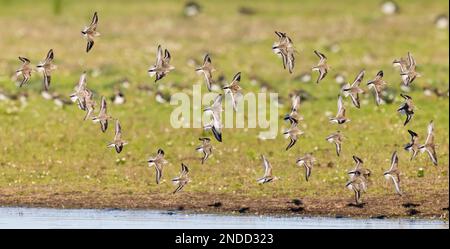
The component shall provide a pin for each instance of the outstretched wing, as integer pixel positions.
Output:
(358, 78)
(430, 136)
(411, 62)
(341, 109)
(207, 61)
(295, 103)
(159, 56)
(25, 60)
(267, 166)
(118, 129)
(396, 183)
(94, 22)
(167, 56)
(394, 161)
(184, 170)
(50, 56)
(103, 107)
(321, 56)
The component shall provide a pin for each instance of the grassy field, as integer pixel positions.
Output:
(50, 157)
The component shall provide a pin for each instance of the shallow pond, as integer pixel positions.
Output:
(18, 217)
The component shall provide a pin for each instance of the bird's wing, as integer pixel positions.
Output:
(159, 56)
(267, 167)
(50, 56)
(358, 78)
(118, 129)
(103, 107)
(396, 184)
(94, 22)
(167, 56)
(394, 161)
(430, 136)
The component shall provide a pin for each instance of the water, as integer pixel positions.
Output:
(17, 217)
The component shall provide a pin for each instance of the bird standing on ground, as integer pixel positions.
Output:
(234, 89)
(322, 66)
(340, 116)
(285, 49)
(162, 65)
(429, 146)
(183, 179)
(216, 111)
(119, 97)
(394, 173)
(306, 161)
(378, 85)
(336, 138)
(90, 32)
(354, 90)
(207, 70)
(46, 68)
(24, 70)
(206, 148)
(407, 108)
(158, 161)
(118, 143)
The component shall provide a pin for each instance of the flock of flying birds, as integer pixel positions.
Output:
(285, 49)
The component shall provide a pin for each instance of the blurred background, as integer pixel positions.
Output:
(46, 147)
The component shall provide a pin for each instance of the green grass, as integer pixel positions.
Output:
(45, 149)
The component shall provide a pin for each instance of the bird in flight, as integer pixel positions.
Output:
(46, 68)
(406, 108)
(89, 32)
(207, 69)
(340, 116)
(183, 179)
(267, 172)
(24, 70)
(359, 170)
(233, 89)
(89, 103)
(80, 92)
(408, 71)
(294, 117)
(118, 143)
(158, 161)
(285, 49)
(358, 185)
(306, 161)
(413, 146)
(393, 173)
(378, 85)
(322, 66)
(336, 138)
(354, 90)
(293, 133)
(429, 146)
(162, 65)
(103, 116)
(206, 148)
(216, 111)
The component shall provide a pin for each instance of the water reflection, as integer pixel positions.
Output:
(103, 218)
